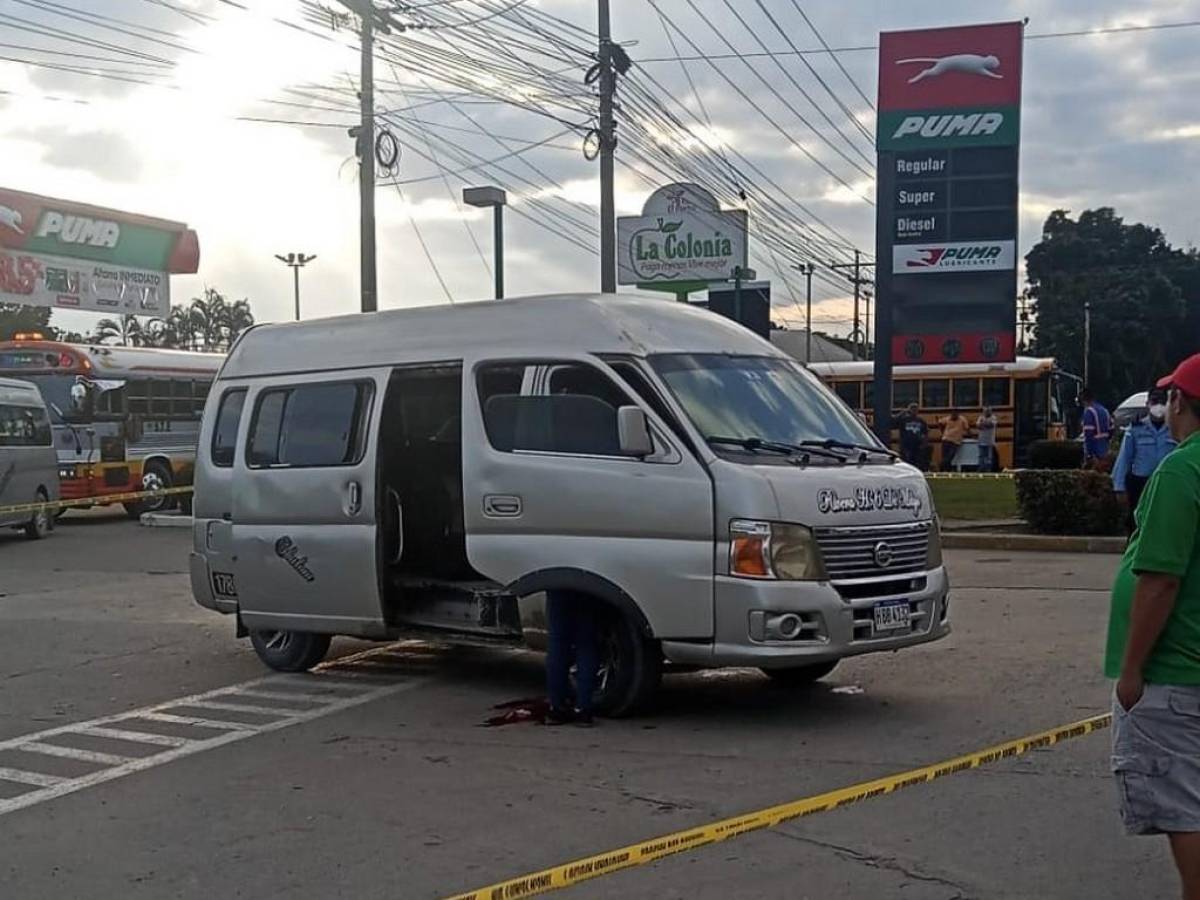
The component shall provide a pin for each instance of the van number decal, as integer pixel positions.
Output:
(223, 585)
(286, 549)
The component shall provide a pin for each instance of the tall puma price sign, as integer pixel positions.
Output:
(69, 255)
(948, 137)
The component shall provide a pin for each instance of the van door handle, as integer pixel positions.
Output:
(501, 506)
(354, 504)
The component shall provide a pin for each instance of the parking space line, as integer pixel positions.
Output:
(92, 756)
(241, 707)
(20, 776)
(326, 693)
(220, 725)
(121, 734)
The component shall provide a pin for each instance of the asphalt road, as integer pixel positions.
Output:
(373, 779)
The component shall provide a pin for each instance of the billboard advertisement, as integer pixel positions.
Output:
(682, 237)
(68, 255)
(948, 138)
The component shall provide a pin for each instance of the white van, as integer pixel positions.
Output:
(28, 462)
(438, 469)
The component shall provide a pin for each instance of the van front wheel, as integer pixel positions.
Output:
(290, 651)
(630, 667)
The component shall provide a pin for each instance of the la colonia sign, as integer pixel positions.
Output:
(681, 235)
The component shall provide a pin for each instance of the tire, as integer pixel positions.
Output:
(290, 651)
(630, 667)
(41, 523)
(155, 476)
(801, 676)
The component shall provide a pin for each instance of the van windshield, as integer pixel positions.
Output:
(757, 398)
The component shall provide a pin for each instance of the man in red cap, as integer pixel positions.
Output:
(1153, 647)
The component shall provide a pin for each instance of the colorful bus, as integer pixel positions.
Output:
(1032, 398)
(125, 418)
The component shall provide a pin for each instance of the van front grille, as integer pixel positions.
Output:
(875, 551)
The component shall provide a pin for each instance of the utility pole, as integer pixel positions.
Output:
(297, 261)
(366, 161)
(364, 140)
(1087, 342)
(608, 140)
(856, 338)
(807, 269)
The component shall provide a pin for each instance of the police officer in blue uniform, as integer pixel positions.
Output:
(1147, 441)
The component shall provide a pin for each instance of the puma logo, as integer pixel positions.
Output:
(967, 63)
(11, 218)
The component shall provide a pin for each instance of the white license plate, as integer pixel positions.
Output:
(892, 616)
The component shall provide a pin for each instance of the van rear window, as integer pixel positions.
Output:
(229, 418)
(310, 425)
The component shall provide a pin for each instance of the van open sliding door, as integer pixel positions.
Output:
(304, 533)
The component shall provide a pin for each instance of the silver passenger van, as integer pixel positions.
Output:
(28, 461)
(436, 470)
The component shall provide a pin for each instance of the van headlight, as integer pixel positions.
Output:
(933, 557)
(773, 550)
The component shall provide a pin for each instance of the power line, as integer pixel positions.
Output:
(862, 48)
(817, 75)
(832, 54)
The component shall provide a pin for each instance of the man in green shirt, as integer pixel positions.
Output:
(1153, 647)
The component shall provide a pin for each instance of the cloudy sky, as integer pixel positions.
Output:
(154, 122)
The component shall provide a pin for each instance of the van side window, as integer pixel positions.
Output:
(310, 425)
(24, 426)
(578, 414)
(229, 417)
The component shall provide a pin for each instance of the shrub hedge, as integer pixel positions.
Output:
(1055, 501)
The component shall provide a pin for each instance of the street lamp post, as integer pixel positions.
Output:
(296, 261)
(496, 198)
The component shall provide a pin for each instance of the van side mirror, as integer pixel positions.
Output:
(633, 432)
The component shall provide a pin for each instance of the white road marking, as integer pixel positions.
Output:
(20, 776)
(330, 688)
(120, 734)
(240, 707)
(93, 756)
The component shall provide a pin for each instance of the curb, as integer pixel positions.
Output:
(1044, 543)
(165, 520)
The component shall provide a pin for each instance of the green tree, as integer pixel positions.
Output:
(15, 319)
(127, 331)
(1144, 296)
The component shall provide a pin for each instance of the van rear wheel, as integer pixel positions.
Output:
(799, 676)
(290, 651)
(630, 667)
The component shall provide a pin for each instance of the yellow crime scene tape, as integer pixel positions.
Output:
(94, 501)
(657, 848)
(967, 476)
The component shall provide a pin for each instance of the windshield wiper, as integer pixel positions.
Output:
(754, 444)
(831, 444)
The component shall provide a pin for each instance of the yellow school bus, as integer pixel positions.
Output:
(1031, 398)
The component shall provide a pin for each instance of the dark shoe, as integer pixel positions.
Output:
(582, 719)
(559, 717)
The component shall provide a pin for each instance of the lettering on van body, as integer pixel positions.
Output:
(286, 549)
(870, 499)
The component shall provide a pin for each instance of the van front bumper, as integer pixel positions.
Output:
(748, 617)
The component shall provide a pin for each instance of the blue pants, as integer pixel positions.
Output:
(987, 457)
(571, 623)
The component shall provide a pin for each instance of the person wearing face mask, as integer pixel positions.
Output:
(1145, 445)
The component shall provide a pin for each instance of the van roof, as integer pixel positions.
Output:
(541, 325)
(14, 389)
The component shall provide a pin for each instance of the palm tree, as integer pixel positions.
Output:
(126, 331)
(177, 329)
(239, 319)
